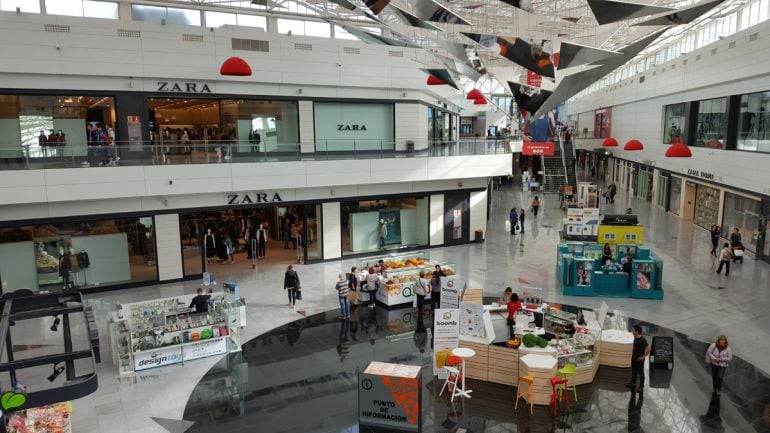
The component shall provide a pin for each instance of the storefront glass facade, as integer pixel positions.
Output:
(348, 127)
(742, 213)
(706, 206)
(675, 195)
(753, 121)
(661, 198)
(78, 255)
(405, 220)
(711, 127)
(51, 126)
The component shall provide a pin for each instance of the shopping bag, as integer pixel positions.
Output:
(298, 295)
(353, 297)
(507, 225)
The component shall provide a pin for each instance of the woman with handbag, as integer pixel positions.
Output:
(371, 284)
(719, 356)
(291, 285)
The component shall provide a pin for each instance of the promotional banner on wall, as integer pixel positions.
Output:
(389, 396)
(450, 291)
(545, 148)
(446, 336)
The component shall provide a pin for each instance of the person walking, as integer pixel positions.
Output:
(291, 284)
(613, 191)
(371, 284)
(286, 228)
(435, 287)
(725, 256)
(715, 232)
(513, 218)
(343, 289)
(640, 352)
(521, 220)
(535, 205)
(421, 289)
(719, 356)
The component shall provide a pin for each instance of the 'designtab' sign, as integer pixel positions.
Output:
(536, 148)
(389, 396)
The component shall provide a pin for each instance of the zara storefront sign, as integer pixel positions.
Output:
(183, 87)
(204, 348)
(351, 127)
(252, 198)
(701, 174)
(157, 358)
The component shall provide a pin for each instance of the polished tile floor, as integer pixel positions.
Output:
(698, 303)
(302, 377)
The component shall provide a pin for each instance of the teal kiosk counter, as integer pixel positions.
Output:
(581, 273)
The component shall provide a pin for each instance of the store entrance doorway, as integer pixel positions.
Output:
(220, 240)
(690, 192)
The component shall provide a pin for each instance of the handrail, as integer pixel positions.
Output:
(33, 156)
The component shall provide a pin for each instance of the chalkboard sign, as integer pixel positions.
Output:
(663, 350)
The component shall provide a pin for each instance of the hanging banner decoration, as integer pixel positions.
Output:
(546, 148)
(534, 79)
(446, 336)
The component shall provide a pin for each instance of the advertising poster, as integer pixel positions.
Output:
(472, 320)
(590, 221)
(538, 148)
(446, 336)
(393, 219)
(204, 348)
(450, 292)
(389, 396)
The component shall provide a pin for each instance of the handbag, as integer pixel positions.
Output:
(298, 294)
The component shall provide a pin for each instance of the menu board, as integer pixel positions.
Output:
(472, 320)
(663, 350)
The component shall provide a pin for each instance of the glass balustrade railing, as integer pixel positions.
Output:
(64, 155)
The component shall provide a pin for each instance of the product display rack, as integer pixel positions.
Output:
(156, 333)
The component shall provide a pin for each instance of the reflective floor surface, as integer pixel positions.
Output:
(302, 378)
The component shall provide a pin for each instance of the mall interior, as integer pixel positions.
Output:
(302, 216)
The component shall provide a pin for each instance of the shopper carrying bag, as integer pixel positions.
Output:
(292, 286)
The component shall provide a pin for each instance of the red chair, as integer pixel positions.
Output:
(559, 391)
(453, 365)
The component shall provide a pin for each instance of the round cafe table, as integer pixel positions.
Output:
(463, 353)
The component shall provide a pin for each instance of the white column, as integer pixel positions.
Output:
(412, 125)
(436, 219)
(306, 127)
(478, 212)
(169, 247)
(332, 230)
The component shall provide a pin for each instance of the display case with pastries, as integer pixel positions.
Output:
(414, 259)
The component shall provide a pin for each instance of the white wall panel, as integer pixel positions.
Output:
(436, 227)
(306, 127)
(169, 244)
(332, 230)
(478, 203)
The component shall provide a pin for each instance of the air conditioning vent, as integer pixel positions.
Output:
(673, 66)
(641, 79)
(123, 33)
(251, 45)
(56, 28)
(731, 45)
(396, 53)
(351, 50)
(663, 70)
(697, 57)
(754, 36)
(303, 47)
(713, 51)
(192, 38)
(684, 62)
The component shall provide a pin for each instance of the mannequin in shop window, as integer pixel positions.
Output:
(210, 246)
(261, 240)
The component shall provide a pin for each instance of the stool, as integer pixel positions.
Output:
(568, 372)
(529, 380)
(558, 387)
(453, 366)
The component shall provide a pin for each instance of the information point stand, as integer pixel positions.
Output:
(390, 396)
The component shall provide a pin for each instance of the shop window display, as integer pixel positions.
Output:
(711, 128)
(753, 121)
(706, 206)
(51, 126)
(77, 255)
(371, 225)
(674, 121)
(742, 213)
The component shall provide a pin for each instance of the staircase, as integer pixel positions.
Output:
(570, 162)
(553, 169)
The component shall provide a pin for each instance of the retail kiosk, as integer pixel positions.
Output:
(581, 272)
